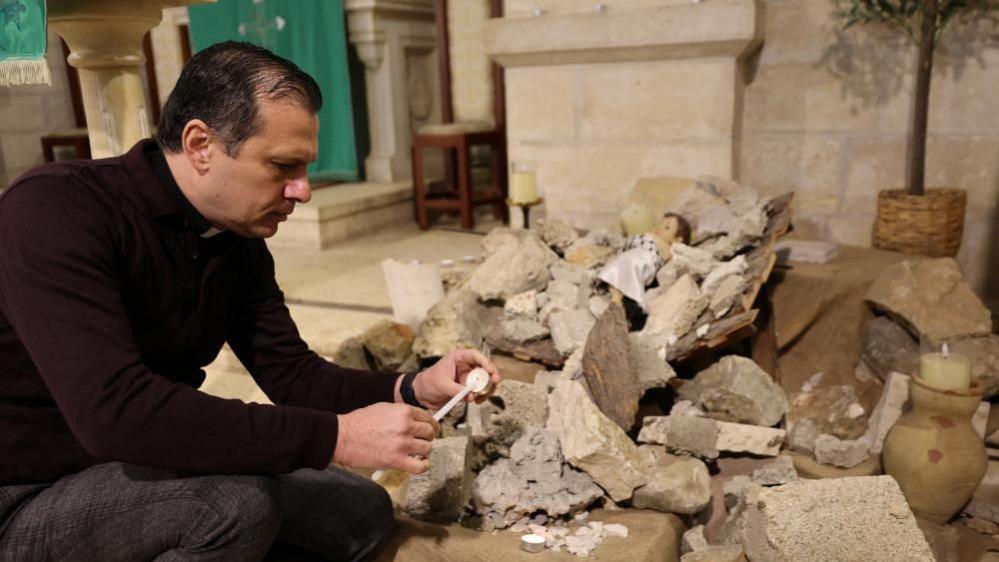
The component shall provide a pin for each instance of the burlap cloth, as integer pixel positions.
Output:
(653, 536)
(819, 312)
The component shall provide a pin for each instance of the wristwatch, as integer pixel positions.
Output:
(407, 391)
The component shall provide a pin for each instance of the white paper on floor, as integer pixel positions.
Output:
(413, 288)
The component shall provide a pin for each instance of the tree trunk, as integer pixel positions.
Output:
(915, 169)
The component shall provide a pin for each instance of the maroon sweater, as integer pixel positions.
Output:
(110, 305)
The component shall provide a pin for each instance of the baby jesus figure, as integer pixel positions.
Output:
(635, 268)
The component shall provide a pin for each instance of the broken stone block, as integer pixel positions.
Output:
(806, 251)
(389, 343)
(454, 274)
(672, 313)
(575, 274)
(595, 249)
(569, 329)
(676, 485)
(655, 430)
(534, 479)
(748, 229)
(720, 553)
(513, 269)
(984, 356)
(504, 417)
(457, 320)
(855, 518)
(652, 371)
(557, 234)
(524, 305)
(694, 202)
(501, 237)
(740, 497)
(777, 473)
(573, 366)
(726, 295)
(565, 295)
(350, 354)
(523, 330)
(594, 443)
(441, 493)
(984, 503)
(752, 439)
(844, 453)
(802, 435)
(713, 280)
(889, 408)
(834, 410)
(607, 367)
(736, 389)
(932, 298)
(693, 435)
(886, 347)
(693, 261)
(693, 540)
(668, 274)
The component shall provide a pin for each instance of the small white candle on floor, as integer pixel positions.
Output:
(532, 543)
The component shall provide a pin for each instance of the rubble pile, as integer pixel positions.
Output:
(536, 457)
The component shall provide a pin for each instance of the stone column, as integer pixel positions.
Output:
(395, 39)
(105, 41)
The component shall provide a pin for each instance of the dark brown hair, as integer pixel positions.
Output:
(682, 227)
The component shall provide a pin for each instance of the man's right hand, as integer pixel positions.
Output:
(386, 435)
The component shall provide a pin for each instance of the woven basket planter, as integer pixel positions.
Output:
(928, 225)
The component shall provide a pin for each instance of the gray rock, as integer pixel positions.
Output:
(984, 356)
(693, 261)
(523, 330)
(932, 298)
(726, 294)
(736, 389)
(779, 472)
(557, 234)
(802, 436)
(844, 453)
(594, 249)
(676, 485)
(522, 305)
(575, 274)
(672, 313)
(748, 229)
(693, 435)
(855, 518)
(501, 237)
(894, 396)
(652, 370)
(733, 267)
(441, 493)
(752, 439)
(569, 329)
(693, 540)
(504, 417)
(655, 430)
(594, 443)
(389, 343)
(351, 354)
(886, 347)
(597, 305)
(533, 479)
(565, 295)
(513, 269)
(457, 320)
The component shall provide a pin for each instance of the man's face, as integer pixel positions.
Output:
(258, 189)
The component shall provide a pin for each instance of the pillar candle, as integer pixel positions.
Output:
(523, 188)
(636, 218)
(945, 370)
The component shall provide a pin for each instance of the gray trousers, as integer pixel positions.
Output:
(117, 511)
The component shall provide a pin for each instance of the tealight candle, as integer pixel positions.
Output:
(532, 543)
(945, 369)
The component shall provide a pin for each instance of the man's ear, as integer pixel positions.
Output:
(199, 145)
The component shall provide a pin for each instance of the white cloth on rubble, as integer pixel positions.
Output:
(635, 268)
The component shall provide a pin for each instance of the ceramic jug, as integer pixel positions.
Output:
(933, 451)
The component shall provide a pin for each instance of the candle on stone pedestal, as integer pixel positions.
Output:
(523, 187)
(945, 370)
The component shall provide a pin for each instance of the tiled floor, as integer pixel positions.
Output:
(339, 292)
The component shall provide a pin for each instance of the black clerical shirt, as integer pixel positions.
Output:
(111, 302)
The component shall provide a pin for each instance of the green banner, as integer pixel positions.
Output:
(310, 33)
(23, 39)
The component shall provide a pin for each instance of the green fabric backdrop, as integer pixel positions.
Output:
(310, 33)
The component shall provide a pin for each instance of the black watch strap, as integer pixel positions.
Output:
(407, 391)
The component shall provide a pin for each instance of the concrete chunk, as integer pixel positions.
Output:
(844, 453)
(676, 485)
(569, 329)
(889, 408)
(752, 439)
(514, 268)
(736, 389)
(441, 493)
(672, 313)
(593, 443)
(779, 472)
(693, 435)
(856, 518)
(693, 540)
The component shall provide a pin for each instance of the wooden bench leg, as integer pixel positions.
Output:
(465, 185)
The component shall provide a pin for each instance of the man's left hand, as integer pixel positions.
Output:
(439, 383)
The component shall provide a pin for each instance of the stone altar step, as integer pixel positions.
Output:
(345, 211)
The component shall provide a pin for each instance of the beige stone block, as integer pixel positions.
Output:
(658, 101)
(525, 8)
(540, 103)
(809, 164)
(792, 96)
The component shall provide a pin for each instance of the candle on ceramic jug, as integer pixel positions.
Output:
(945, 369)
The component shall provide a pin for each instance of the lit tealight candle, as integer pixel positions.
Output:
(945, 370)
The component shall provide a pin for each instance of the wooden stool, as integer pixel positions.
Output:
(77, 138)
(457, 139)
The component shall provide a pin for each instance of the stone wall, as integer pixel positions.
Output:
(28, 112)
(827, 112)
